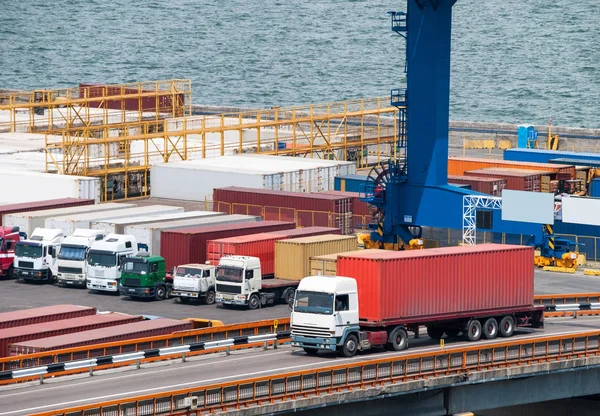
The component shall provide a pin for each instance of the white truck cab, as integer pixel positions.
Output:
(104, 261)
(73, 254)
(35, 258)
(325, 310)
(193, 281)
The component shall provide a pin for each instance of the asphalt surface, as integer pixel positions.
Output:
(17, 295)
(214, 369)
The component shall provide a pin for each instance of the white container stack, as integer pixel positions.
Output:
(117, 225)
(194, 180)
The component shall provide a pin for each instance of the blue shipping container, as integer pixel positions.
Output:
(544, 156)
(595, 188)
(350, 183)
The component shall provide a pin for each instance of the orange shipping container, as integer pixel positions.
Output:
(460, 165)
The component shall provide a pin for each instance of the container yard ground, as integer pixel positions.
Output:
(18, 295)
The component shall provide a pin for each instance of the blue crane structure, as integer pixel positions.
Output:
(411, 190)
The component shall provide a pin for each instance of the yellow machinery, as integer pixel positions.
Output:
(552, 138)
(364, 240)
(556, 253)
(203, 323)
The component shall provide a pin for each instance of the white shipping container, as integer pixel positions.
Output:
(29, 221)
(117, 225)
(23, 186)
(170, 180)
(149, 234)
(70, 223)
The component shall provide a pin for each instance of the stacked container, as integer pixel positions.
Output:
(306, 210)
(41, 205)
(189, 245)
(460, 165)
(43, 314)
(361, 212)
(485, 185)
(292, 257)
(350, 183)
(516, 179)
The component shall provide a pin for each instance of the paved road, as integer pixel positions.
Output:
(17, 295)
(115, 384)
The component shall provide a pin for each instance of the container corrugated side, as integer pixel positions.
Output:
(350, 183)
(442, 282)
(485, 185)
(306, 232)
(43, 314)
(460, 165)
(292, 257)
(188, 245)
(261, 245)
(43, 205)
(516, 179)
(141, 329)
(64, 326)
(117, 225)
(595, 188)
(326, 265)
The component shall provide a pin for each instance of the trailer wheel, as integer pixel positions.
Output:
(507, 326)
(11, 273)
(435, 332)
(490, 328)
(289, 296)
(254, 302)
(184, 300)
(474, 330)
(160, 293)
(210, 297)
(350, 346)
(398, 339)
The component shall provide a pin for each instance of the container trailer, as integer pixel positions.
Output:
(35, 257)
(43, 314)
(8, 209)
(73, 256)
(480, 291)
(61, 327)
(141, 329)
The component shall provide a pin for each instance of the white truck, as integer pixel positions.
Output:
(194, 281)
(35, 257)
(239, 282)
(73, 254)
(105, 259)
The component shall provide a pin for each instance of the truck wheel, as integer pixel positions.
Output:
(350, 346)
(435, 332)
(490, 328)
(254, 302)
(11, 273)
(160, 293)
(210, 297)
(184, 300)
(289, 296)
(507, 326)
(473, 331)
(398, 339)
(311, 351)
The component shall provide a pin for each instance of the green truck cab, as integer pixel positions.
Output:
(145, 276)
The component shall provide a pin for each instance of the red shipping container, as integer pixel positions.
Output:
(485, 185)
(165, 103)
(42, 205)
(305, 209)
(188, 245)
(43, 314)
(142, 329)
(440, 283)
(64, 326)
(260, 245)
(516, 179)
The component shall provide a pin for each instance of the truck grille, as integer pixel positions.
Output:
(132, 282)
(186, 288)
(310, 331)
(73, 270)
(26, 264)
(229, 289)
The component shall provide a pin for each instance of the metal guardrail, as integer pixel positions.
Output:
(141, 344)
(356, 375)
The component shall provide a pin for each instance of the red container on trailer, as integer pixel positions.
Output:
(188, 245)
(42, 205)
(64, 326)
(305, 209)
(441, 282)
(516, 179)
(43, 314)
(133, 330)
(485, 185)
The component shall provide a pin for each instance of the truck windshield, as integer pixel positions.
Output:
(71, 253)
(102, 258)
(313, 302)
(135, 267)
(28, 250)
(189, 272)
(230, 274)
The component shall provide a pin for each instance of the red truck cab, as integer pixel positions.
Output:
(9, 236)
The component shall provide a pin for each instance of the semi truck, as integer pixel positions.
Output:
(145, 276)
(194, 281)
(73, 254)
(377, 298)
(239, 282)
(35, 257)
(105, 260)
(9, 237)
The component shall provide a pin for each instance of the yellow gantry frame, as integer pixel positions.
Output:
(322, 130)
(89, 105)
